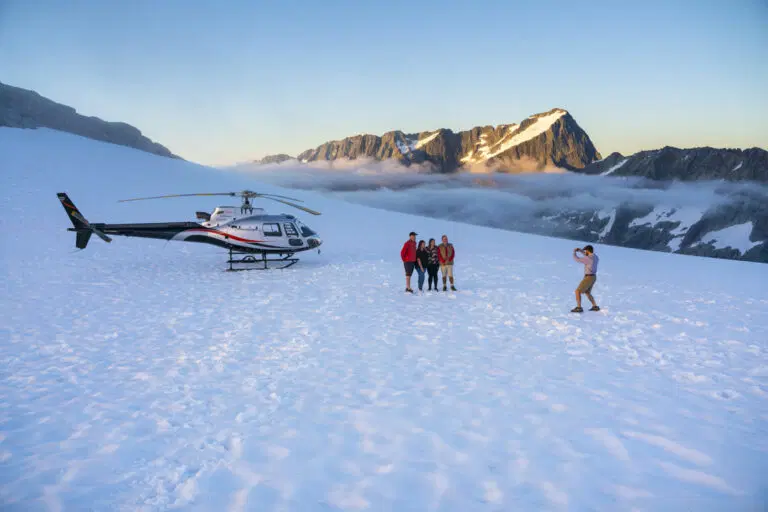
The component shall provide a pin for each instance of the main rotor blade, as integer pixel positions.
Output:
(281, 197)
(231, 194)
(313, 212)
(274, 197)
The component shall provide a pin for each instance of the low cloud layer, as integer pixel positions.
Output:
(521, 202)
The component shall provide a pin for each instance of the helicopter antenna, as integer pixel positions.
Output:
(245, 195)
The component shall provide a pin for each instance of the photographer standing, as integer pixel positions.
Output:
(590, 261)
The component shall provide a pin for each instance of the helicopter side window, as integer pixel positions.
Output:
(272, 230)
(290, 230)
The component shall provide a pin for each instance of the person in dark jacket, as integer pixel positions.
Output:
(433, 264)
(422, 260)
(408, 255)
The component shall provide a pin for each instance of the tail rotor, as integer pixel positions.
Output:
(82, 227)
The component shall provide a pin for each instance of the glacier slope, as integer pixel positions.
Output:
(138, 375)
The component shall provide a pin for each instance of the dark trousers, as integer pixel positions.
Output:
(432, 273)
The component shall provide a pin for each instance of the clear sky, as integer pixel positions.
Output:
(223, 82)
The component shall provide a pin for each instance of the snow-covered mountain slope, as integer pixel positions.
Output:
(22, 108)
(138, 375)
(414, 142)
(514, 136)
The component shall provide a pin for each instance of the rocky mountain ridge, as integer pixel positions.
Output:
(738, 230)
(22, 108)
(670, 163)
(274, 159)
(543, 141)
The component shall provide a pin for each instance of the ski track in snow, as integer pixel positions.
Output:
(139, 376)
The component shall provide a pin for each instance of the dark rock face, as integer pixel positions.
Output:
(548, 140)
(671, 163)
(22, 108)
(675, 230)
(563, 145)
(274, 159)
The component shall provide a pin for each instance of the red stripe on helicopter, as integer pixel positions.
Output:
(226, 235)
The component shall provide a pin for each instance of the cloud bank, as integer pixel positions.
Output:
(520, 202)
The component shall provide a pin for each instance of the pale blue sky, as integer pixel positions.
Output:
(221, 82)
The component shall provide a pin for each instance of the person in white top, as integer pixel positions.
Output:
(590, 261)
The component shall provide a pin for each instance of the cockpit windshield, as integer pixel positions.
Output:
(305, 231)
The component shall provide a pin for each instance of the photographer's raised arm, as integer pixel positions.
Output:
(579, 259)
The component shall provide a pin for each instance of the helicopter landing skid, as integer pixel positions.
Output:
(252, 262)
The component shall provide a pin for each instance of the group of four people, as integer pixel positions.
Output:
(426, 260)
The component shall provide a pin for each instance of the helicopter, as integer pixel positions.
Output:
(254, 238)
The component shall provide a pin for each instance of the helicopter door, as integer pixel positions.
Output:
(292, 234)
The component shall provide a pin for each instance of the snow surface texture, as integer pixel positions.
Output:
(138, 375)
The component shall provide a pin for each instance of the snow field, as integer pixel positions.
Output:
(138, 375)
(349, 397)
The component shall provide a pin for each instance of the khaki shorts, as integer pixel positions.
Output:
(446, 270)
(586, 284)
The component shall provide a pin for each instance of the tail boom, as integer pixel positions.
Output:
(82, 227)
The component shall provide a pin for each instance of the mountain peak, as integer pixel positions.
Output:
(541, 141)
(556, 110)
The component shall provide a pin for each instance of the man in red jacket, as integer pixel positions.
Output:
(408, 255)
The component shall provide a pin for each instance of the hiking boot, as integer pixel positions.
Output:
(577, 309)
(594, 308)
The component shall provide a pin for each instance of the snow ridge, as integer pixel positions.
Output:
(615, 168)
(412, 144)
